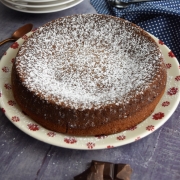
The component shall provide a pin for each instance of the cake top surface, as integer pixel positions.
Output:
(88, 61)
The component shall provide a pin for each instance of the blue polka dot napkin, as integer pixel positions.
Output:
(160, 18)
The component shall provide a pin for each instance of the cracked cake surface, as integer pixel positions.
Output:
(81, 73)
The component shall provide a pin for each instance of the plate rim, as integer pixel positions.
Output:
(50, 10)
(35, 1)
(54, 3)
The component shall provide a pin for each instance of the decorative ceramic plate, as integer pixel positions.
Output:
(34, 1)
(161, 114)
(37, 5)
(42, 9)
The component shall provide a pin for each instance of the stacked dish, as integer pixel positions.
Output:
(40, 6)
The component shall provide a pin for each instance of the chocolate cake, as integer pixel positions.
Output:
(89, 75)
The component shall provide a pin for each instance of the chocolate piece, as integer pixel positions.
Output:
(108, 172)
(95, 172)
(105, 171)
(123, 172)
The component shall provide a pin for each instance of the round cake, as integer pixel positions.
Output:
(89, 74)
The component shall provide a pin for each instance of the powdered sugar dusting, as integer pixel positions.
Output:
(87, 61)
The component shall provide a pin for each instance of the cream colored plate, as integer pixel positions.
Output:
(41, 9)
(34, 1)
(161, 114)
(38, 5)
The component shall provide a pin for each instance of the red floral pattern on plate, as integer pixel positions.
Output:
(25, 37)
(33, 127)
(5, 53)
(177, 78)
(161, 42)
(11, 102)
(172, 91)
(3, 110)
(158, 116)
(122, 137)
(90, 145)
(70, 140)
(5, 69)
(168, 65)
(15, 119)
(109, 146)
(7, 86)
(51, 134)
(15, 45)
(12, 60)
(150, 128)
(171, 54)
(165, 103)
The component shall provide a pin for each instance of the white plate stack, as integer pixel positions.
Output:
(40, 6)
